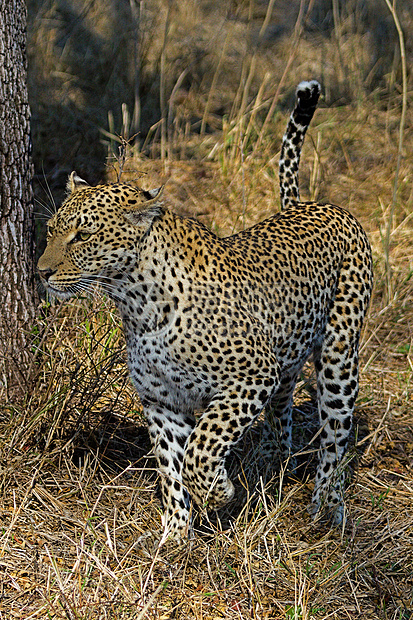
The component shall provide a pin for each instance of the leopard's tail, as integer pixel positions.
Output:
(307, 97)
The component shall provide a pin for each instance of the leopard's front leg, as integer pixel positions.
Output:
(222, 425)
(169, 432)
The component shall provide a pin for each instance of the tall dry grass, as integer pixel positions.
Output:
(78, 500)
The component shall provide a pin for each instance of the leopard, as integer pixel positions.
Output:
(218, 329)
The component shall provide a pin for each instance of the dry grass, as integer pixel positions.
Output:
(78, 491)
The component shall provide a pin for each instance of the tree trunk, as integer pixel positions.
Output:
(17, 284)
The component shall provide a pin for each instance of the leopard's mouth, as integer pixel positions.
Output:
(62, 290)
(84, 286)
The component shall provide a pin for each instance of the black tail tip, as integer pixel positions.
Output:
(308, 93)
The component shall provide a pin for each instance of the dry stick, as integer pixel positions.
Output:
(162, 94)
(392, 9)
(213, 84)
(299, 25)
(244, 142)
(153, 131)
(256, 107)
(239, 108)
(314, 176)
(171, 105)
(145, 608)
(233, 114)
(251, 72)
(247, 86)
(136, 8)
(244, 192)
(110, 134)
(338, 38)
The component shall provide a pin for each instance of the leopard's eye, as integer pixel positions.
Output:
(82, 235)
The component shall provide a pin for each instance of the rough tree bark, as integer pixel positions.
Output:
(17, 285)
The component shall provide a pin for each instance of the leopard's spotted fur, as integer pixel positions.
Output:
(223, 325)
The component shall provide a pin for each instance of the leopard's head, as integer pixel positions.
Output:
(95, 235)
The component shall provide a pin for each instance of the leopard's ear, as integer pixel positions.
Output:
(74, 183)
(154, 193)
(143, 206)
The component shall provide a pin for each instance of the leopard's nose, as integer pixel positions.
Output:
(46, 273)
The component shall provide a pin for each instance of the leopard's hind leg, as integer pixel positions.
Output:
(337, 367)
(277, 435)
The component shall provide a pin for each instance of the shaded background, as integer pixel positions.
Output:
(194, 63)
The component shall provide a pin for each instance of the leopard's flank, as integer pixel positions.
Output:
(223, 326)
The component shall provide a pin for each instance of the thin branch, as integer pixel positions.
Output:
(392, 9)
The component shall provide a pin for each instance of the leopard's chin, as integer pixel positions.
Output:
(59, 293)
